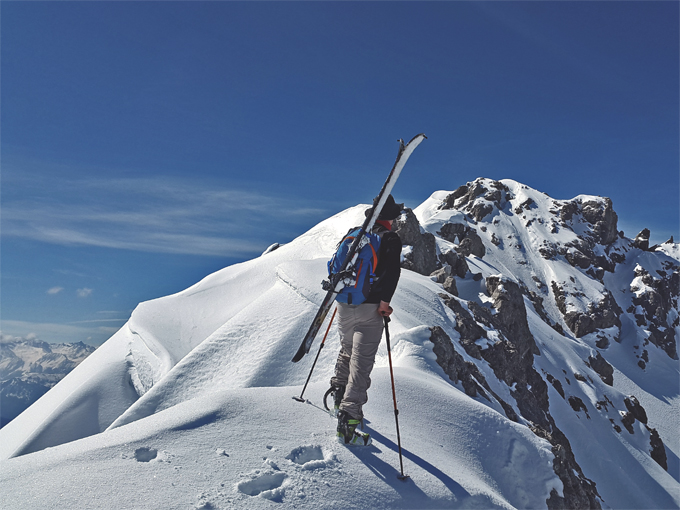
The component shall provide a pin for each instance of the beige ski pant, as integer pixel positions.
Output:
(360, 329)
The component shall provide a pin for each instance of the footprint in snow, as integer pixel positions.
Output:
(145, 454)
(311, 457)
(266, 485)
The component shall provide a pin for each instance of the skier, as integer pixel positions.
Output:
(361, 327)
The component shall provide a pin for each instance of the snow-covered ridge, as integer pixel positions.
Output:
(534, 313)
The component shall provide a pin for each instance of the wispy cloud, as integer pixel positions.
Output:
(55, 290)
(83, 293)
(152, 215)
(100, 321)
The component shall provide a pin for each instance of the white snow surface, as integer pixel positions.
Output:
(190, 404)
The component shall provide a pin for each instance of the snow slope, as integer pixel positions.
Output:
(189, 404)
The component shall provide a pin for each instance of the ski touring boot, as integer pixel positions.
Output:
(348, 433)
(337, 391)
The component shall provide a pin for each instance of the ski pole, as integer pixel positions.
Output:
(300, 399)
(394, 396)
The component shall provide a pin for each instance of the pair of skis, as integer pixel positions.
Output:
(405, 151)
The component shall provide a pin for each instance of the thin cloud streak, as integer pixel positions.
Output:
(145, 215)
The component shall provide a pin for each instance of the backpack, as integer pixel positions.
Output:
(359, 277)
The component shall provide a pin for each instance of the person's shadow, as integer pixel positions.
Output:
(408, 489)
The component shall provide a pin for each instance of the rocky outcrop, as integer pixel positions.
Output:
(467, 239)
(511, 359)
(653, 300)
(422, 256)
(511, 314)
(602, 315)
(457, 262)
(579, 491)
(641, 240)
(453, 364)
(603, 369)
(513, 223)
(635, 412)
(658, 450)
(595, 250)
(494, 195)
(601, 215)
(635, 408)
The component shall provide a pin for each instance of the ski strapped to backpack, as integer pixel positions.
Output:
(336, 284)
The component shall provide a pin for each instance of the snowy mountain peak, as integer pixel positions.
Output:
(567, 253)
(531, 339)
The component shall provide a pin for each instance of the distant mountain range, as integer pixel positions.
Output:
(29, 368)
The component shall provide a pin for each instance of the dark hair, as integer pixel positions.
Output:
(390, 211)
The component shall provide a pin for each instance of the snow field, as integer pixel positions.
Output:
(248, 447)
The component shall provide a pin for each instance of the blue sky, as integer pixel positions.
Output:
(148, 144)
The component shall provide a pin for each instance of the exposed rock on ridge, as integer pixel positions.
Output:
(422, 255)
(561, 256)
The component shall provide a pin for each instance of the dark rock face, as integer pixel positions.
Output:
(600, 214)
(642, 239)
(579, 492)
(464, 190)
(455, 366)
(468, 328)
(604, 220)
(498, 334)
(634, 412)
(556, 384)
(453, 232)
(466, 199)
(656, 297)
(634, 407)
(511, 359)
(472, 245)
(583, 252)
(469, 242)
(658, 452)
(423, 257)
(577, 404)
(450, 286)
(458, 264)
(604, 314)
(627, 418)
(603, 369)
(511, 314)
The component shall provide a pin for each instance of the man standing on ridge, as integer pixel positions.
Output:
(361, 327)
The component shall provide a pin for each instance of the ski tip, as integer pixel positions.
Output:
(299, 355)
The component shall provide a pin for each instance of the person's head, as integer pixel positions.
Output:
(390, 211)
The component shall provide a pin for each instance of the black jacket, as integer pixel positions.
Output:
(389, 267)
